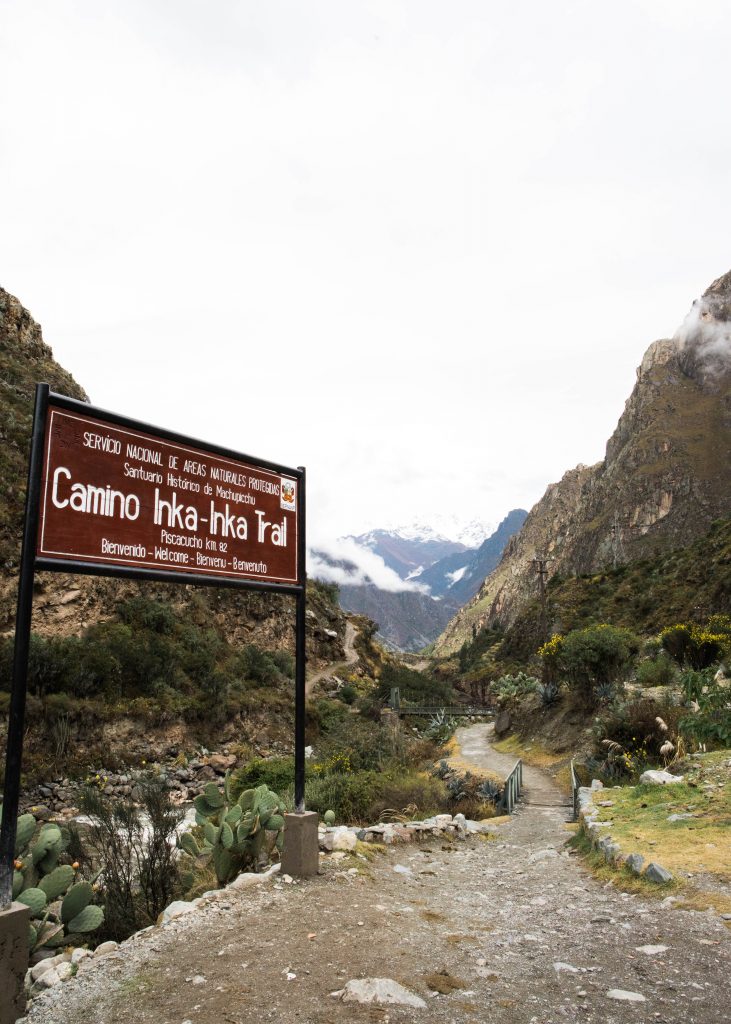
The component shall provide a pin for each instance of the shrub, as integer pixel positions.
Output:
(139, 866)
(596, 657)
(347, 694)
(414, 687)
(276, 772)
(697, 646)
(710, 719)
(656, 671)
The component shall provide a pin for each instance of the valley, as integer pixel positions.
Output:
(596, 628)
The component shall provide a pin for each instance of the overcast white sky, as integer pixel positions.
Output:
(418, 247)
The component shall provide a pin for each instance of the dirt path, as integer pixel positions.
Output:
(475, 748)
(530, 936)
(351, 656)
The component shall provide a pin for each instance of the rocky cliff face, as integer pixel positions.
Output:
(664, 479)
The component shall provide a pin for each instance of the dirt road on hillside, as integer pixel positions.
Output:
(351, 656)
(475, 743)
(514, 926)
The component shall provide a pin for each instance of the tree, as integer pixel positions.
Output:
(594, 658)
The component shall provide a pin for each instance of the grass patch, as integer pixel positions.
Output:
(699, 843)
(621, 877)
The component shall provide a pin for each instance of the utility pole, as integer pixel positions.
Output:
(540, 564)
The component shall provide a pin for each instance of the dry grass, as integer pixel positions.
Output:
(443, 982)
(455, 760)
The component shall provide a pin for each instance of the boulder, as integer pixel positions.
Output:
(344, 839)
(221, 762)
(176, 909)
(634, 862)
(502, 723)
(379, 990)
(658, 777)
(657, 873)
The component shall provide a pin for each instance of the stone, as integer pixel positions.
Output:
(502, 723)
(679, 817)
(108, 947)
(64, 971)
(539, 855)
(47, 980)
(623, 996)
(401, 869)
(612, 852)
(560, 966)
(221, 762)
(80, 954)
(176, 909)
(249, 878)
(658, 777)
(635, 861)
(381, 991)
(41, 968)
(344, 839)
(656, 873)
(651, 950)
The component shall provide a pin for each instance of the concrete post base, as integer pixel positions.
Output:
(301, 853)
(13, 961)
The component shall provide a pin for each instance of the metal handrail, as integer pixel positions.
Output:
(575, 785)
(513, 787)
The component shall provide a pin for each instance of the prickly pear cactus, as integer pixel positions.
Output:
(60, 907)
(236, 833)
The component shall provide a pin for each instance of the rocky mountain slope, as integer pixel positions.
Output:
(407, 620)
(664, 479)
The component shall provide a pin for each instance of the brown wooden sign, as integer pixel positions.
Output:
(113, 495)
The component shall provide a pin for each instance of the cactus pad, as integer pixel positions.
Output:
(88, 920)
(188, 844)
(24, 833)
(75, 901)
(35, 899)
(213, 795)
(55, 884)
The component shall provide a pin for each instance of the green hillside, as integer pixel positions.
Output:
(688, 584)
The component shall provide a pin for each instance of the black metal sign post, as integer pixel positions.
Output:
(16, 716)
(34, 558)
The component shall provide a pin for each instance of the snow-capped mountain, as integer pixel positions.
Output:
(438, 573)
(441, 528)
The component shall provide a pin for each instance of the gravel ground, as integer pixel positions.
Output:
(512, 930)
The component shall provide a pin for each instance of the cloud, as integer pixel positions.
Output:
(704, 341)
(347, 563)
